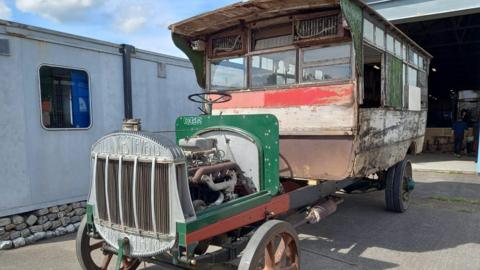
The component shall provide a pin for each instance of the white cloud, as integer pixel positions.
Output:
(58, 10)
(5, 11)
(132, 19)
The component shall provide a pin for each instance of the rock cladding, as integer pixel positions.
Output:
(27, 228)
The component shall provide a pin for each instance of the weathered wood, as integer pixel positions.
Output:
(229, 16)
(384, 137)
(316, 110)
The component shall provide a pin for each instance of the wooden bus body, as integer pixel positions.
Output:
(349, 88)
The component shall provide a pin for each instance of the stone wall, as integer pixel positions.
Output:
(27, 228)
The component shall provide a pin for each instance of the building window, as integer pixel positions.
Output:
(65, 98)
(227, 74)
(273, 69)
(326, 64)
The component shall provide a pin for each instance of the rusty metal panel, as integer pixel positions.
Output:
(316, 157)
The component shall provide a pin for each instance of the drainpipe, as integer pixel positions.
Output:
(127, 51)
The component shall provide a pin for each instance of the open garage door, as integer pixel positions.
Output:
(454, 43)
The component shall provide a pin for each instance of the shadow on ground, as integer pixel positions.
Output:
(439, 231)
(363, 235)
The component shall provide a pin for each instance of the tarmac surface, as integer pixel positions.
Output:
(440, 230)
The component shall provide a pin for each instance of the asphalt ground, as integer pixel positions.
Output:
(440, 230)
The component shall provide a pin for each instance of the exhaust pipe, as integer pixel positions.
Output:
(320, 211)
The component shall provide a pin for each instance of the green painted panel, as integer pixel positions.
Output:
(394, 82)
(197, 58)
(354, 16)
(263, 128)
(89, 210)
(224, 211)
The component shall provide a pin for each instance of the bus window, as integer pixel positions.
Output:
(273, 69)
(227, 74)
(326, 63)
(272, 37)
(372, 87)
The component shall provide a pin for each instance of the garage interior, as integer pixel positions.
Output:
(454, 43)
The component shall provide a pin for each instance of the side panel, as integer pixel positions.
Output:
(316, 157)
(314, 110)
(385, 136)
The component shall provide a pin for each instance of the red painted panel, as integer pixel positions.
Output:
(276, 205)
(323, 95)
(250, 99)
(306, 96)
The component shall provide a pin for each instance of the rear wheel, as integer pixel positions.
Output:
(399, 186)
(274, 246)
(91, 253)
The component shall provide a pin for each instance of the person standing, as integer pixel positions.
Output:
(459, 128)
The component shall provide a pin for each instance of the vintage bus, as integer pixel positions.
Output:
(326, 91)
(348, 87)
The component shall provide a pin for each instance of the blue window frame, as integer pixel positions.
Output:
(65, 98)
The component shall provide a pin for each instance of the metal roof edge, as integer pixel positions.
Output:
(115, 46)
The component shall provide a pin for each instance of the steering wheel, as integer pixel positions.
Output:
(209, 98)
(206, 97)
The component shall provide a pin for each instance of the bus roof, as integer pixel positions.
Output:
(254, 10)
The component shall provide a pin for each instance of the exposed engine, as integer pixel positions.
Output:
(213, 179)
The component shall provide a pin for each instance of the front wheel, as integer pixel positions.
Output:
(274, 246)
(399, 186)
(91, 253)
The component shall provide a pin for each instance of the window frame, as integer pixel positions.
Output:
(270, 51)
(40, 97)
(301, 65)
(208, 72)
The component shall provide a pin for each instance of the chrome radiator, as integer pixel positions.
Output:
(138, 188)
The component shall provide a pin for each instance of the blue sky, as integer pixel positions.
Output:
(141, 23)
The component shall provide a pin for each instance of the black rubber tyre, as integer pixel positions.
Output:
(286, 255)
(84, 249)
(397, 193)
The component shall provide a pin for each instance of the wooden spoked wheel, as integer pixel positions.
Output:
(91, 253)
(274, 246)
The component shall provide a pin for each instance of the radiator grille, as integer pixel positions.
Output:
(144, 210)
(316, 27)
(142, 192)
(162, 213)
(127, 196)
(100, 188)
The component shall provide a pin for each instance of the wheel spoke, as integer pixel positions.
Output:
(280, 253)
(290, 267)
(96, 246)
(269, 256)
(220, 98)
(106, 261)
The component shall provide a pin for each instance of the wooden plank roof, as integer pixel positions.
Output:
(246, 11)
(254, 10)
